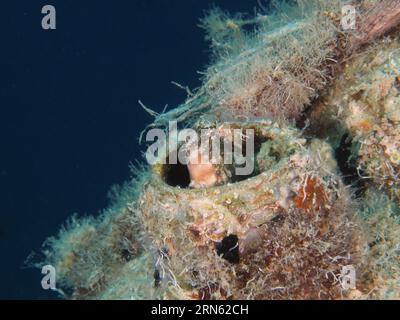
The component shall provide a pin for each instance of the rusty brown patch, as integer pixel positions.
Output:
(311, 196)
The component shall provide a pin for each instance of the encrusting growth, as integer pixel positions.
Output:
(323, 104)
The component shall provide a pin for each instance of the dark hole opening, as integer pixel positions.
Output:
(228, 248)
(127, 255)
(177, 175)
(348, 165)
(258, 141)
(157, 277)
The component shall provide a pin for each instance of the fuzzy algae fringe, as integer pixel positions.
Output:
(325, 108)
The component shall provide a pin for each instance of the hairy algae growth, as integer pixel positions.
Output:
(325, 194)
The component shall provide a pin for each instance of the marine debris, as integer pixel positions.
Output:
(323, 197)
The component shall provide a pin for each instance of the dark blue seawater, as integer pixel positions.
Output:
(69, 117)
